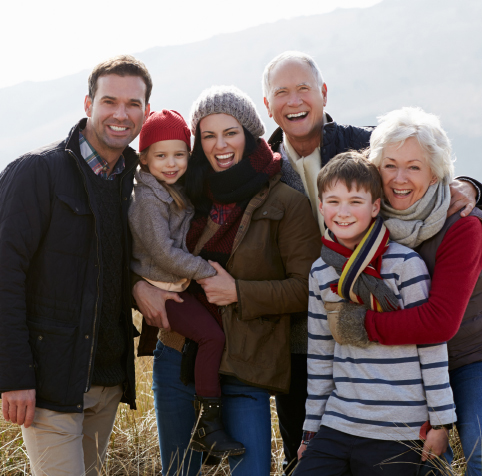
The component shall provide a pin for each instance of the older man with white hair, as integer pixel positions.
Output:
(295, 96)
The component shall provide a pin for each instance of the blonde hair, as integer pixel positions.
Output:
(397, 126)
(176, 195)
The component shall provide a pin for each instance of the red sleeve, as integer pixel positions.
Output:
(458, 264)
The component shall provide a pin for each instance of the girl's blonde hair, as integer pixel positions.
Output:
(176, 195)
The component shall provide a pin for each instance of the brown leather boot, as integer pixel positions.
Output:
(209, 435)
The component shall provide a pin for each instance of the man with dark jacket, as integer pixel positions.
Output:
(295, 96)
(66, 334)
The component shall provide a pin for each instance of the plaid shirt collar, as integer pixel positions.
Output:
(98, 165)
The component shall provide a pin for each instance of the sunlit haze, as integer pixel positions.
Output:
(54, 38)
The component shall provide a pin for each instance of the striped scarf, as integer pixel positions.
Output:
(360, 280)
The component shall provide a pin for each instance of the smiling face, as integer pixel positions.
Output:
(116, 114)
(222, 140)
(296, 102)
(166, 160)
(406, 174)
(348, 213)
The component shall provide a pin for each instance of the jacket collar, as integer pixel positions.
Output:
(276, 137)
(72, 144)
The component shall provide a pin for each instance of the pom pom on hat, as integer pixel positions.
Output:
(228, 100)
(164, 125)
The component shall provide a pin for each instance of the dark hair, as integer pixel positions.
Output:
(122, 65)
(353, 169)
(199, 167)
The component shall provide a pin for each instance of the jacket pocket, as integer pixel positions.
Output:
(270, 212)
(262, 342)
(76, 205)
(53, 349)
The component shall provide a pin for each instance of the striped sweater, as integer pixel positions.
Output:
(380, 392)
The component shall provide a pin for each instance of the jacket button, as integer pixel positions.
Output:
(79, 406)
(125, 198)
(324, 151)
(40, 337)
(87, 336)
(265, 212)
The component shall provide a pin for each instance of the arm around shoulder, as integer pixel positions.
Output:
(458, 265)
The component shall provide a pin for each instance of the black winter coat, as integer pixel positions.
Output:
(337, 138)
(51, 275)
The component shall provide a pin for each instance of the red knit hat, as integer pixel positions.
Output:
(164, 125)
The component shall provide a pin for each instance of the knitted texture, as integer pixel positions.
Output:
(227, 100)
(109, 368)
(164, 125)
(359, 270)
(237, 185)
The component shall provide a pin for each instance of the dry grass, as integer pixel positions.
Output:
(134, 450)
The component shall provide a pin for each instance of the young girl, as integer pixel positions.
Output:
(159, 218)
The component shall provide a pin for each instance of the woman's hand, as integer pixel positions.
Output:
(219, 289)
(301, 450)
(462, 194)
(347, 323)
(152, 303)
(435, 444)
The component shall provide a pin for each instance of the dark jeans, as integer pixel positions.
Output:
(333, 453)
(246, 417)
(291, 411)
(191, 319)
(466, 384)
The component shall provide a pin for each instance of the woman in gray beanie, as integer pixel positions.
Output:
(261, 237)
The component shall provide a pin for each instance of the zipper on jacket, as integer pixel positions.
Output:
(126, 385)
(98, 273)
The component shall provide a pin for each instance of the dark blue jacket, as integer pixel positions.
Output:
(337, 138)
(51, 275)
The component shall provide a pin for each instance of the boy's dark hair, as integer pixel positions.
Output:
(353, 169)
(122, 65)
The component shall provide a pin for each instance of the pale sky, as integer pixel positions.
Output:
(54, 38)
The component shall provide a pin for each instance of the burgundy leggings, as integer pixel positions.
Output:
(191, 319)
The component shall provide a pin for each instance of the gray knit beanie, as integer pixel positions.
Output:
(228, 100)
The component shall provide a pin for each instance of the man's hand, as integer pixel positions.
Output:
(435, 444)
(152, 303)
(462, 194)
(219, 289)
(19, 406)
(301, 450)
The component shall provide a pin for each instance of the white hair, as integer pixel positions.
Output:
(291, 55)
(397, 126)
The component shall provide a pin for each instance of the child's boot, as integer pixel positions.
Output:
(209, 434)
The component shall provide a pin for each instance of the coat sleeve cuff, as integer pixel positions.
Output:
(476, 184)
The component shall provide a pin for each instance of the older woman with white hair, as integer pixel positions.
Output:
(414, 157)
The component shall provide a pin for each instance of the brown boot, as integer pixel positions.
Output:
(209, 435)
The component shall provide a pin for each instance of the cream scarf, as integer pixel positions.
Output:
(308, 169)
(419, 222)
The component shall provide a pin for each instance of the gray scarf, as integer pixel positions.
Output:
(422, 220)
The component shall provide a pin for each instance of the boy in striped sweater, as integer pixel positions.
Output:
(366, 406)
